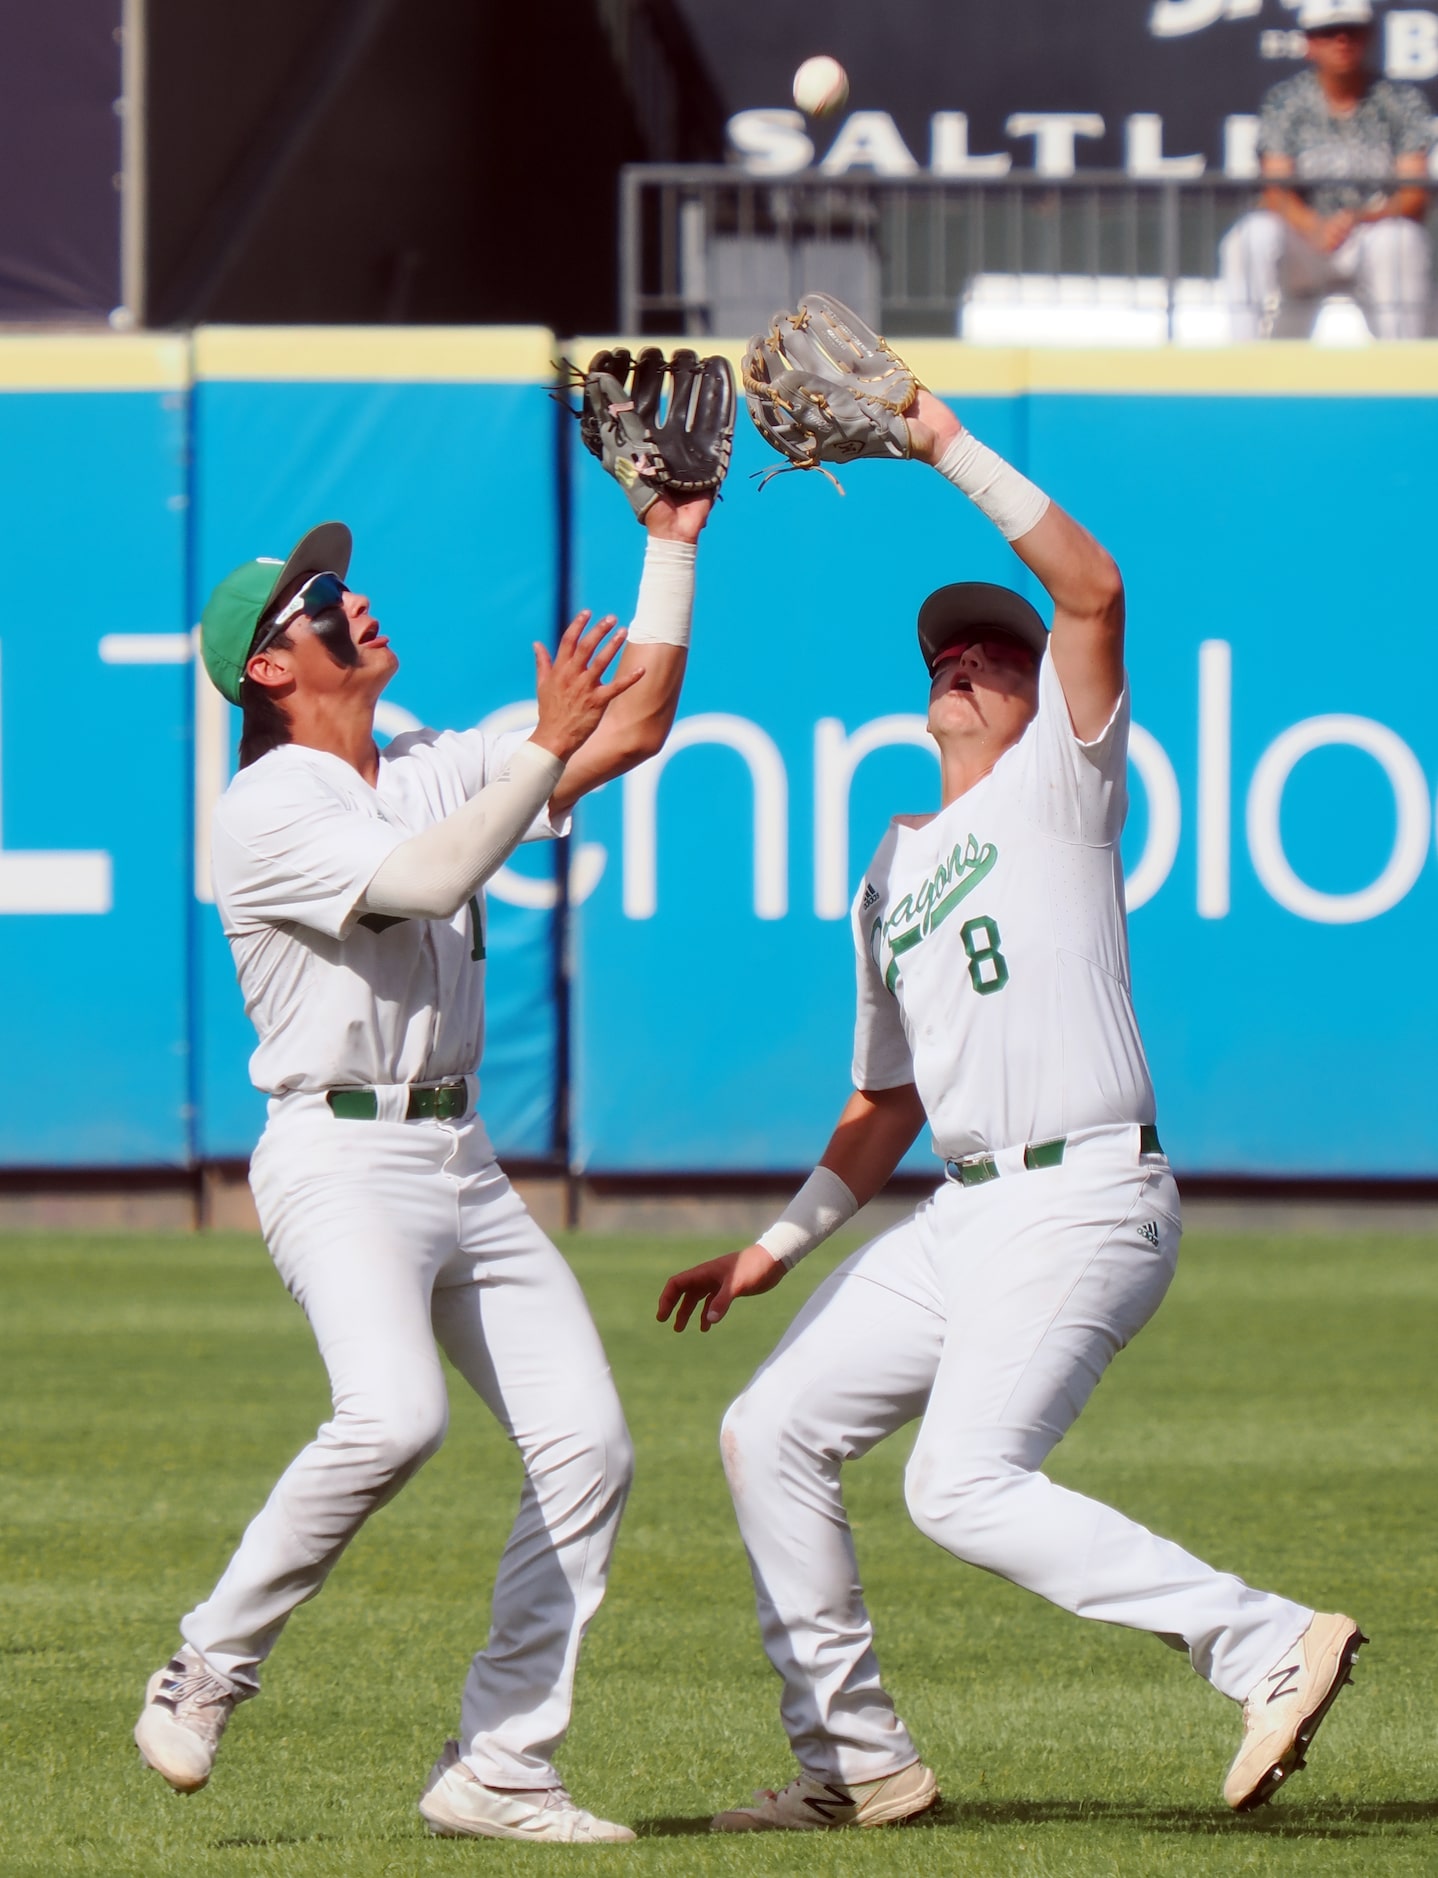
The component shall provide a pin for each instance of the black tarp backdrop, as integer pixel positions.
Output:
(406, 160)
(60, 156)
(1192, 62)
(433, 160)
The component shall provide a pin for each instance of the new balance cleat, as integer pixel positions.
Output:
(187, 1707)
(457, 1805)
(1283, 1713)
(811, 1805)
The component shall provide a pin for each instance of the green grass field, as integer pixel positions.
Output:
(1279, 1418)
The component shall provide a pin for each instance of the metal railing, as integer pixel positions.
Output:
(709, 249)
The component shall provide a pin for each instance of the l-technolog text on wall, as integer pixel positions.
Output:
(1280, 849)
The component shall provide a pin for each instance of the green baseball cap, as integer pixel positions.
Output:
(235, 608)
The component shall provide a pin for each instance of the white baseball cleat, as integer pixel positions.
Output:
(1282, 1714)
(457, 1805)
(186, 1709)
(811, 1805)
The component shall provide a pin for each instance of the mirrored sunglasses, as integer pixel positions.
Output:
(315, 596)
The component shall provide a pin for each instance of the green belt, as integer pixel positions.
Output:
(981, 1167)
(442, 1102)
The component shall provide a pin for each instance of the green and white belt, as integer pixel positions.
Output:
(975, 1169)
(439, 1102)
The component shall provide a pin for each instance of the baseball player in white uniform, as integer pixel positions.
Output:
(993, 1004)
(350, 884)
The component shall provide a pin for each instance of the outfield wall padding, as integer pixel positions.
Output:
(1269, 509)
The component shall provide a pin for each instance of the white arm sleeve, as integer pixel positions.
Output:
(431, 875)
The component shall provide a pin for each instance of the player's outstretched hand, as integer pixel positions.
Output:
(716, 1283)
(570, 686)
(668, 518)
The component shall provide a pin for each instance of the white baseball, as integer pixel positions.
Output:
(821, 85)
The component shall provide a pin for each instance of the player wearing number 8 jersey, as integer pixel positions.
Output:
(993, 970)
(993, 1002)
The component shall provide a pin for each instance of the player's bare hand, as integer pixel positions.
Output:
(932, 427)
(716, 1283)
(668, 520)
(570, 686)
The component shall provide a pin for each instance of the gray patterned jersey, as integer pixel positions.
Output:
(1339, 154)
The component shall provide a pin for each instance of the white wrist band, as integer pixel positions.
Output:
(819, 1208)
(666, 594)
(1012, 503)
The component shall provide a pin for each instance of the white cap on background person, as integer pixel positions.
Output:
(1316, 16)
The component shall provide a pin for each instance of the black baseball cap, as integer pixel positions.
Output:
(952, 613)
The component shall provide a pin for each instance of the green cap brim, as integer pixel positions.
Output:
(241, 600)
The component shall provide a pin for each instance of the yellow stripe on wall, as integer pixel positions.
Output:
(1282, 368)
(524, 354)
(1278, 369)
(93, 362)
(394, 354)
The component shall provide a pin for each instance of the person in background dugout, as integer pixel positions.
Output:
(1329, 137)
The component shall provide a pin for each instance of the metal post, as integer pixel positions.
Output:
(1168, 248)
(629, 233)
(562, 1138)
(668, 247)
(695, 317)
(131, 310)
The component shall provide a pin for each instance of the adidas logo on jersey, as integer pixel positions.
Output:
(870, 896)
(1149, 1231)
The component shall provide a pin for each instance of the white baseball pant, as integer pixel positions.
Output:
(393, 1234)
(1384, 265)
(991, 1314)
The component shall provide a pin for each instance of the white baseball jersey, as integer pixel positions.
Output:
(339, 998)
(992, 947)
